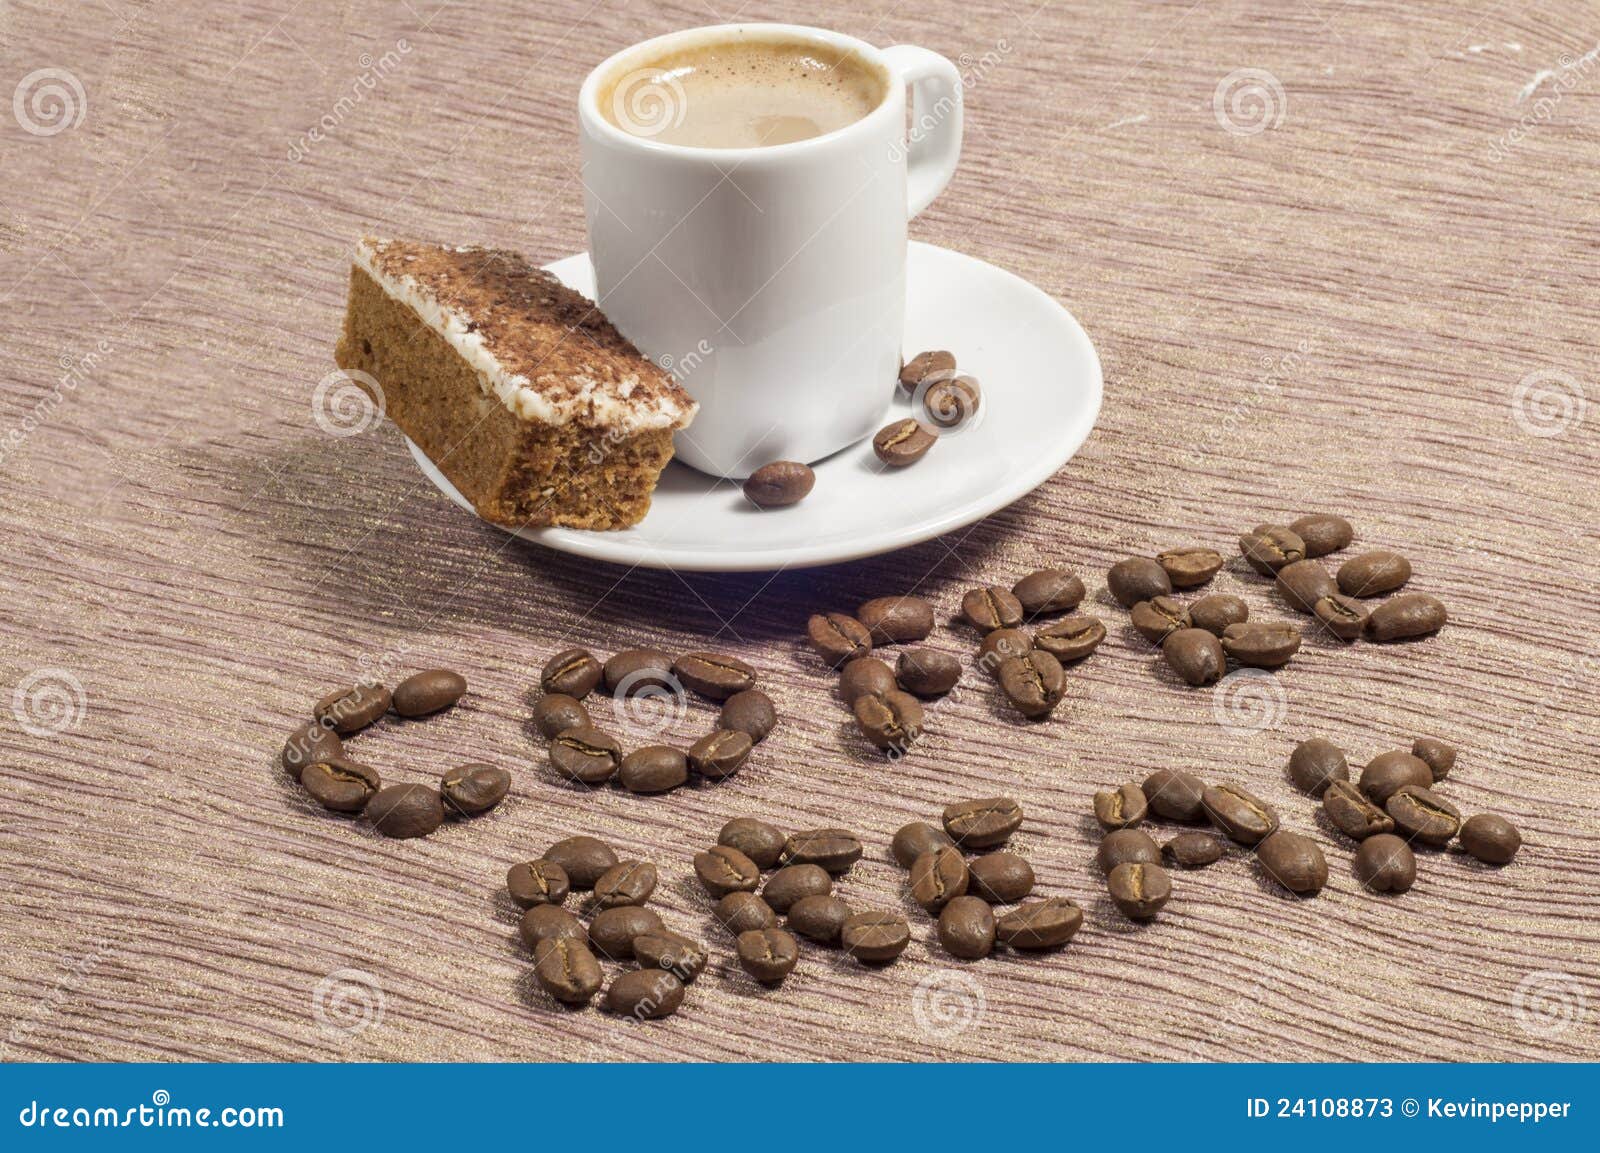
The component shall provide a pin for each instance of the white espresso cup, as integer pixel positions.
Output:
(769, 281)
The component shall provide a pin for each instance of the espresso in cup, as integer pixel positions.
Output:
(743, 94)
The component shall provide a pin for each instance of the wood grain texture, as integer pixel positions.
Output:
(1334, 312)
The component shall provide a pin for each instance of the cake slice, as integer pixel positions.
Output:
(515, 386)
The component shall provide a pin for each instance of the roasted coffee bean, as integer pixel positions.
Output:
(1071, 639)
(1420, 814)
(428, 692)
(1385, 864)
(1491, 838)
(1387, 773)
(1049, 590)
(950, 402)
(865, 676)
(751, 713)
(838, 637)
(567, 970)
(1406, 616)
(875, 937)
(903, 442)
(896, 620)
(1000, 878)
(999, 645)
(1354, 815)
(405, 811)
(759, 841)
(1139, 578)
(350, 710)
(472, 789)
(891, 720)
(585, 754)
(915, 839)
(1239, 813)
(923, 365)
(1315, 764)
(683, 957)
(653, 769)
(1189, 568)
(1344, 617)
(1175, 795)
(982, 824)
(834, 849)
(556, 712)
(1217, 611)
(1195, 655)
(612, 931)
(309, 743)
(990, 608)
(571, 672)
(1046, 924)
(340, 784)
(723, 869)
(533, 883)
(625, 883)
(635, 671)
(714, 675)
(1159, 618)
(1323, 533)
(549, 923)
(1261, 644)
(741, 912)
(1295, 861)
(645, 994)
(819, 919)
(1120, 808)
(1126, 847)
(781, 483)
(927, 672)
(1034, 683)
(1193, 850)
(1304, 583)
(585, 860)
(768, 955)
(1373, 573)
(967, 928)
(720, 755)
(937, 876)
(1270, 547)
(793, 882)
(1140, 891)
(1438, 756)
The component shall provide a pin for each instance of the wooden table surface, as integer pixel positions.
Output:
(1335, 256)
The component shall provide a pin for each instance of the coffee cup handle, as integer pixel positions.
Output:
(934, 143)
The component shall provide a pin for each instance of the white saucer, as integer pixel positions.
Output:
(1041, 385)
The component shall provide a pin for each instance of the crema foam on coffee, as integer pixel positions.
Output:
(743, 94)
